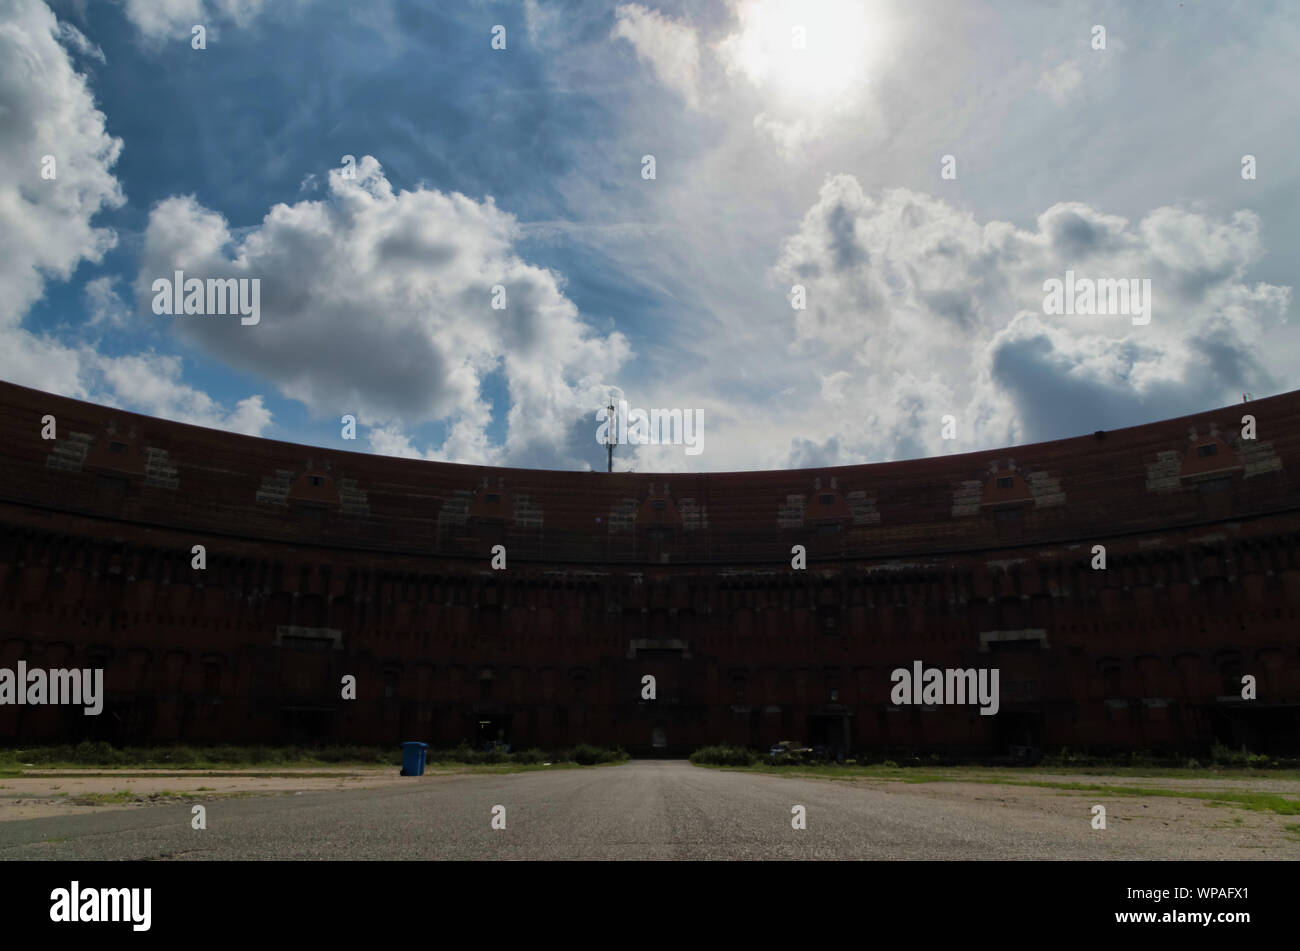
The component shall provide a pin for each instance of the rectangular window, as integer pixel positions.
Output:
(1209, 449)
(827, 500)
(306, 643)
(1004, 482)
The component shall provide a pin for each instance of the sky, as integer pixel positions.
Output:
(826, 226)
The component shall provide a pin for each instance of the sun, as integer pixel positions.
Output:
(812, 52)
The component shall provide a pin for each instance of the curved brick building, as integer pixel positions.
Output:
(323, 563)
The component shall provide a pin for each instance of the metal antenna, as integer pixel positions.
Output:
(609, 446)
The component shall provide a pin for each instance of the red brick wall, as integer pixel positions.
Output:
(908, 561)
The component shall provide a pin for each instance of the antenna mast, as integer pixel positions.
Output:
(609, 446)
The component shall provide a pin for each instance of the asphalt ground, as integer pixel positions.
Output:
(660, 810)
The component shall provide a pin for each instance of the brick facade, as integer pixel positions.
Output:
(323, 563)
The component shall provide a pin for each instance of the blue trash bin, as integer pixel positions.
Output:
(413, 754)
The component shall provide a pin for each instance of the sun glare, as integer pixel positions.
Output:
(816, 51)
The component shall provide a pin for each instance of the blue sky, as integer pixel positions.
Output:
(776, 164)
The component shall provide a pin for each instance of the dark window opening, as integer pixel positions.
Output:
(117, 448)
(1209, 449)
(1216, 485)
(657, 505)
(827, 500)
(493, 498)
(1020, 644)
(316, 480)
(1007, 515)
(1005, 482)
(306, 643)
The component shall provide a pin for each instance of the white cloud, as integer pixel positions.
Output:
(792, 48)
(165, 19)
(42, 363)
(74, 38)
(542, 21)
(670, 47)
(1061, 81)
(916, 310)
(45, 224)
(387, 439)
(380, 302)
(104, 304)
(46, 230)
(152, 383)
(942, 303)
(790, 135)
(159, 20)
(48, 110)
(797, 66)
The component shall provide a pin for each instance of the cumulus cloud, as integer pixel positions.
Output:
(46, 229)
(42, 363)
(48, 110)
(916, 310)
(152, 384)
(379, 302)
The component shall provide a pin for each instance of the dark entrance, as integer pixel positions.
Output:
(828, 733)
(1257, 729)
(491, 728)
(1020, 734)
